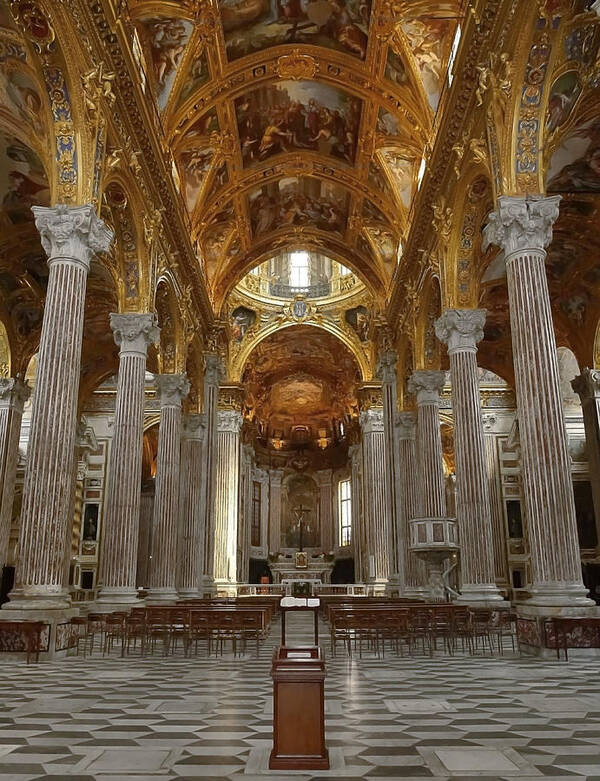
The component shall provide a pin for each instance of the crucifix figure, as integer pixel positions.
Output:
(299, 512)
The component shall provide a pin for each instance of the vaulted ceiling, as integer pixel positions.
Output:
(296, 124)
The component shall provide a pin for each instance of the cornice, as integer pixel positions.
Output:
(481, 27)
(108, 39)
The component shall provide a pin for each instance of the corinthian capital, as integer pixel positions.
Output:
(171, 389)
(13, 393)
(229, 421)
(134, 332)
(427, 385)
(193, 426)
(72, 232)
(406, 425)
(387, 366)
(587, 384)
(461, 329)
(213, 368)
(521, 223)
(371, 420)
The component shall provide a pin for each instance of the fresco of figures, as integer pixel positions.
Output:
(242, 319)
(195, 164)
(167, 39)
(298, 201)
(198, 76)
(359, 319)
(295, 115)
(430, 41)
(563, 96)
(402, 170)
(253, 25)
(395, 69)
(575, 165)
(23, 181)
(20, 96)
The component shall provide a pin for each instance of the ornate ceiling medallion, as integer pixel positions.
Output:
(299, 309)
(296, 66)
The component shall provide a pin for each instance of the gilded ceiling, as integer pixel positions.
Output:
(296, 121)
(299, 383)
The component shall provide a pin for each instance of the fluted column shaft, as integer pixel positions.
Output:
(427, 385)
(587, 386)
(212, 374)
(523, 227)
(13, 395)
(275, 480)
(375, 496)
(461, 329)
(355, 455)
(70, 235)
(387, 369)
(133, 333)
(415, 573)
(145, 535)
(496, 502)
(172, 389)
(191, 511)
(229, 424)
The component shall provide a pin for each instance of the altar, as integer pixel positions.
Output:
(316, 571)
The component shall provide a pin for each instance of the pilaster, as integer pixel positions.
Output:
(227, 474)
(190, 539)
(213, 371)
(375, 496)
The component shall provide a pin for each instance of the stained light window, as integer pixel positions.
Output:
(299, 269)
(345, 505)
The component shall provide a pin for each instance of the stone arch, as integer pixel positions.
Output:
(240, 360)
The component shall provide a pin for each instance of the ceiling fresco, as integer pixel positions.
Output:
(300, 378)
(300, 118)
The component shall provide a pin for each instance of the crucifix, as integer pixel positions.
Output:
(299, 512)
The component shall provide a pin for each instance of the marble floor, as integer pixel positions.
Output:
(444, 718)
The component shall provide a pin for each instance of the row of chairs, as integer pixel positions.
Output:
(144, 630)
(421, 628)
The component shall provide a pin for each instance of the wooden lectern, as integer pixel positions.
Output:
(298, 710)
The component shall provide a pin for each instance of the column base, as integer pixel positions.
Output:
(38, 598)
(189, 593)
(378, 587)
(207, 587)
(415, 592)
(481, 595)
(559, 595)
(112, 599)
(57, 634)
(161, 596)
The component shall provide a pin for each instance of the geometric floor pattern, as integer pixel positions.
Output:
(458, 717)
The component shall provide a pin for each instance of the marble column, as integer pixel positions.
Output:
(324, 478)
(171, 389)
(145, 534)
(427, 385)
(587, 386)
(461, 330)
(415, 572)
(70, 235)
(387, 370)
(245, 516)
(375, 496)
(355, 456)
(227, 475)
(121, 522)
(496, 502)
(13, 395)
(275, 480)
(522, 226)
(212, 374)
(190, 546)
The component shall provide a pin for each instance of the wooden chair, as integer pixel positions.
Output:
(114, 630)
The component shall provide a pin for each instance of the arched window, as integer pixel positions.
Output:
(345, 508)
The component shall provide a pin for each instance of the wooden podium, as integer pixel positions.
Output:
(298, 710)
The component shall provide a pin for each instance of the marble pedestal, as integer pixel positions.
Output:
(56, 640)
(531, 632)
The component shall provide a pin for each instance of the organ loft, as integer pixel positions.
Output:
(298, 301)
